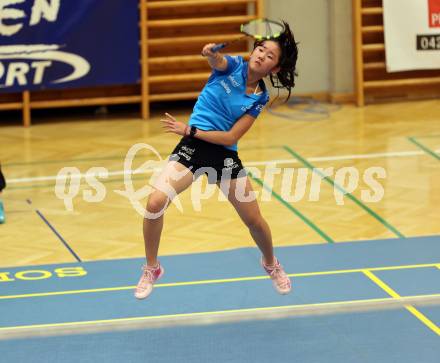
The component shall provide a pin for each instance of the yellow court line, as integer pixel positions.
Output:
(386, 268)
(337, 304)
(216, 281)
(410, 308)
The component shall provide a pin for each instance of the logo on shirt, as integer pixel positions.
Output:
(225, 86)
(245, 108)
(260, 107)
(234, 81)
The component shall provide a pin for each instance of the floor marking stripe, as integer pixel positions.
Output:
(217, 281)
(293, 209)
(211, 317)
(424, 148)
(395, 295)
(349, 195)
(253, 163)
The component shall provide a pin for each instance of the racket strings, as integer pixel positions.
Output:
(263, 29)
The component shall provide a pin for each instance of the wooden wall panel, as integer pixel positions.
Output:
(172, 33)
(373, 82)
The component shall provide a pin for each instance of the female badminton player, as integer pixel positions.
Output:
(226, 109)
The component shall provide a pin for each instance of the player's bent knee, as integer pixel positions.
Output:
(156, 203)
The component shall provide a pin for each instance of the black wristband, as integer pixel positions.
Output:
(193, 131)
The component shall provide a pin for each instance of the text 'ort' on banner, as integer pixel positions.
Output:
(52, 44)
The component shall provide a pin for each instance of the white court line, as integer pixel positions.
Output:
(252, 163)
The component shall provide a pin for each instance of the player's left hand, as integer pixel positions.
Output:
(170, 124)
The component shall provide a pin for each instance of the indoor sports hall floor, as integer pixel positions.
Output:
(79, 266)
(196, 284)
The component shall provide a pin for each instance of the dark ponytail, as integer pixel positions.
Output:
(285, 78)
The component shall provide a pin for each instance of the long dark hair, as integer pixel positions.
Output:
(285, 78)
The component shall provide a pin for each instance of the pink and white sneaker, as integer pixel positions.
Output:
(280, 280)
(149, 276)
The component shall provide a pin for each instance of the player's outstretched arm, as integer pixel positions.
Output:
(215, 59)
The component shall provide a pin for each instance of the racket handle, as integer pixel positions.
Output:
(217, 47)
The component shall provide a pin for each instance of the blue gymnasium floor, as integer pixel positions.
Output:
(232, 280)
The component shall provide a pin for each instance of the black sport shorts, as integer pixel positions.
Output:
(203, 157)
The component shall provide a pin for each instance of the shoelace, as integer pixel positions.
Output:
(147, 276)
(278, 271)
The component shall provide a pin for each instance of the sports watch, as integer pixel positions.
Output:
(193, 131)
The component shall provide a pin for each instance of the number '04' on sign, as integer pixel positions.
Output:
(31, 275)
